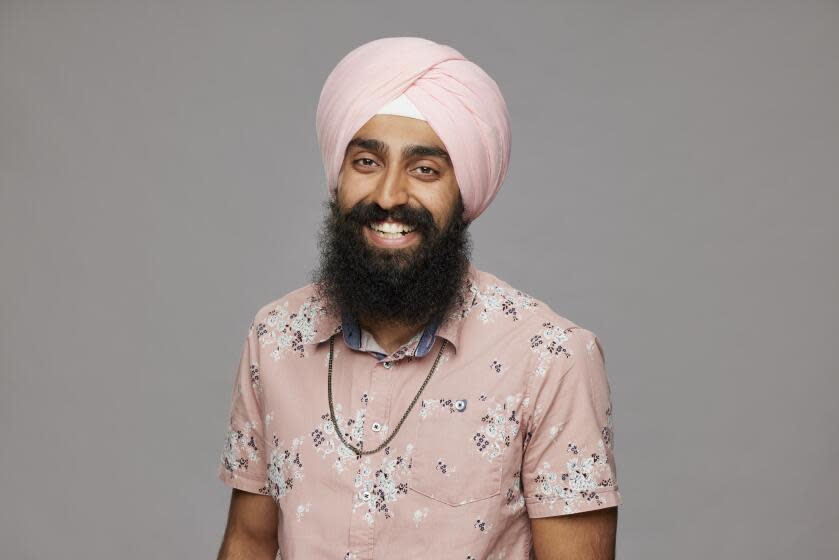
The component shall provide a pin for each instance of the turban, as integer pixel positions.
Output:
(460, 102)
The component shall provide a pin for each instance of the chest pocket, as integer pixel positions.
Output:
(456, 459)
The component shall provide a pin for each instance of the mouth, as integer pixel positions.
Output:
(391, 234)
(391, 230)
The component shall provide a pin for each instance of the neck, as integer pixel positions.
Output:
(389, 334)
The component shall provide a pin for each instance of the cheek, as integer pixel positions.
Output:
(350, 191)
(444, 204)
(454, 191)
(438, 207)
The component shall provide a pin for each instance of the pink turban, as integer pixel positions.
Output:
(461, 103)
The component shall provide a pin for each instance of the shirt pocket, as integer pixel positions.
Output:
(454, 461)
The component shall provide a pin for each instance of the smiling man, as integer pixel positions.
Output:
(406, 404)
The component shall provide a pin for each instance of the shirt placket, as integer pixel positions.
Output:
(378, 387)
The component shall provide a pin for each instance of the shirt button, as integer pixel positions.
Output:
(460, 405)
(365, 495)
(387, 365)
(376, 427)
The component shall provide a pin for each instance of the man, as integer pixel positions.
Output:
(406, 404)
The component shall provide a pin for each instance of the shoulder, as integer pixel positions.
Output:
(290, 322)
(495, 300)
(494, 297)
(296, 302)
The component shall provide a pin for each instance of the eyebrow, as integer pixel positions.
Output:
(409, 151)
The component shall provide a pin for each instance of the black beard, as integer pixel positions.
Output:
(408, 287)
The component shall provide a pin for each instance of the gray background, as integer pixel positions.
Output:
(672, 187)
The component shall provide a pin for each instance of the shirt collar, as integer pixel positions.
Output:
(352, 335)
(329, 324)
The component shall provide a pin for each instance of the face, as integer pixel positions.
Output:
(400, 165)
(394, 245)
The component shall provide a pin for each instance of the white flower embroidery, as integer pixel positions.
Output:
(326, 441)
(427, 405)
(500, 555)
(240, 448)
(590, 345)
(302, 509)
(554, 431)
(547, 344)
(502, 300)
(377, 488)
(580, 482)
(499, 427)
(514, 499)
(444, 467)
(286, 331)
(284, 468)
(419, 516)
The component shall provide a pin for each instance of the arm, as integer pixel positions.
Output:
(583, 536)
(253, 517)
(251, 532)
(569, 475)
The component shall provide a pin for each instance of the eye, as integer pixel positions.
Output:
(370, 160)
(428, 170)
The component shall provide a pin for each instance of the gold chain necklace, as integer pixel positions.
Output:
(358, 450)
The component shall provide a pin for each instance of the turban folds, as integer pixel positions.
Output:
(460, 102)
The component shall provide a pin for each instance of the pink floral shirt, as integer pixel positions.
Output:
(515, 423)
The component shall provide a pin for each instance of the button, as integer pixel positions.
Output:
(376, 427)
(365, 495)
(387, 365)
(460, 405)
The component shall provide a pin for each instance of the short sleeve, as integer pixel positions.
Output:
(243, 462)
(568, 464)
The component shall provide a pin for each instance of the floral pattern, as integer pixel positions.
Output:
(482, 525)
(286, 331)
(240, 449)
(516, 423)
(284, 468)
(302, 510)
(499, 426)
(549, 343)
(580, 482)
(419, 516)
(257, 386)
(379, 486)
(513, 498)
(326, 442)
(502, 301)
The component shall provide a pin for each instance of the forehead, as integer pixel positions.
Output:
(397, 131)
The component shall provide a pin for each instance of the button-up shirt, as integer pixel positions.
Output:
(514, 423)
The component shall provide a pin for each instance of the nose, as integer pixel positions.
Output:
(391, 189)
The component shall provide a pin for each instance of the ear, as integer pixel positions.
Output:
(334, 197)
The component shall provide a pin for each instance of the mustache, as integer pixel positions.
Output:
(420, 218)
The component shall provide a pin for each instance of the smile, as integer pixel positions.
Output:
(391, 230)
(391, 235)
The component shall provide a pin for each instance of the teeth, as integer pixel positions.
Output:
(390, 227)
(390, 235)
